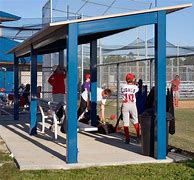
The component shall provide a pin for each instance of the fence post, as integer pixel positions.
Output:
(118, 84)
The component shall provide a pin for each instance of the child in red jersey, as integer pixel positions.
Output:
(175, 89)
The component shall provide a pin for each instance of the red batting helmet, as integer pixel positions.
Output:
(2, 90)
(130, 77)
(87, 76)
(113, 116)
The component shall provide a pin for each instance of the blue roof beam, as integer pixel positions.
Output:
(119, 23)
(8, 17)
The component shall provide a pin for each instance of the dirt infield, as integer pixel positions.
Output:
(186, 104)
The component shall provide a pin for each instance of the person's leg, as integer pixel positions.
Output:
(58, 98)
(177, 98)
(134, 119)
(174, 98)
(125, 112)
(64, 98)
(54, 97)
(137, 128)
(82, 107)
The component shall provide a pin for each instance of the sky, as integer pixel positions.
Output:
(180, 25)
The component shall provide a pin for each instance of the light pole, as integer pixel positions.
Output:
(156, 3)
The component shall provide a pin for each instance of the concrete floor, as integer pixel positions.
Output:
(43, 152)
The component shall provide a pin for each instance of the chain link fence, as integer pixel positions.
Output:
(109, 75)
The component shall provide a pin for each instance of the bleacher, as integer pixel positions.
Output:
(186, 90)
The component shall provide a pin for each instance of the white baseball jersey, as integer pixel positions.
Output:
(129, 103)
(99, 96)
(85, 95)
(128, 92)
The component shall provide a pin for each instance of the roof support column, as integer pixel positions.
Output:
(33, 90)
(16, 86)
(72, 75)
(151, 73)
(61, 58)
(93, 70)
(160, 84)
(61, 64)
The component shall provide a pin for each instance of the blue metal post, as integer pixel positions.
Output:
(61, 58)
(33, 85)
(160, 81)
(16, 86)
(72, 75)
(93, 72)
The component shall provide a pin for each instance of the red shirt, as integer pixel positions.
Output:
(56, 80)
(175, 85)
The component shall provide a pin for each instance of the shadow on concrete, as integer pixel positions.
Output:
(115, 139)
(48, 136)
(24, 122)
(47, 149)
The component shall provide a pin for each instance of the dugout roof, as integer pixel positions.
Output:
(53, 37)
(7, 17)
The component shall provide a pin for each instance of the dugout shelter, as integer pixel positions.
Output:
(58, 36)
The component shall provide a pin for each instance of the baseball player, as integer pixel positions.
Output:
(175, 89)
(102, 95)
(86, 84)
(129, 109)
(85, 97)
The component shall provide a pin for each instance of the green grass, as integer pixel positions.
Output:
(183, 170)
(4, 158)
(184, 136)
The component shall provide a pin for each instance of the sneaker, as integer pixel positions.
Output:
(137, 140)
(51, 128)
(127, 141)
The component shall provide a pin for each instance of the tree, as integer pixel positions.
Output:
(189, 60)
(112, 59)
